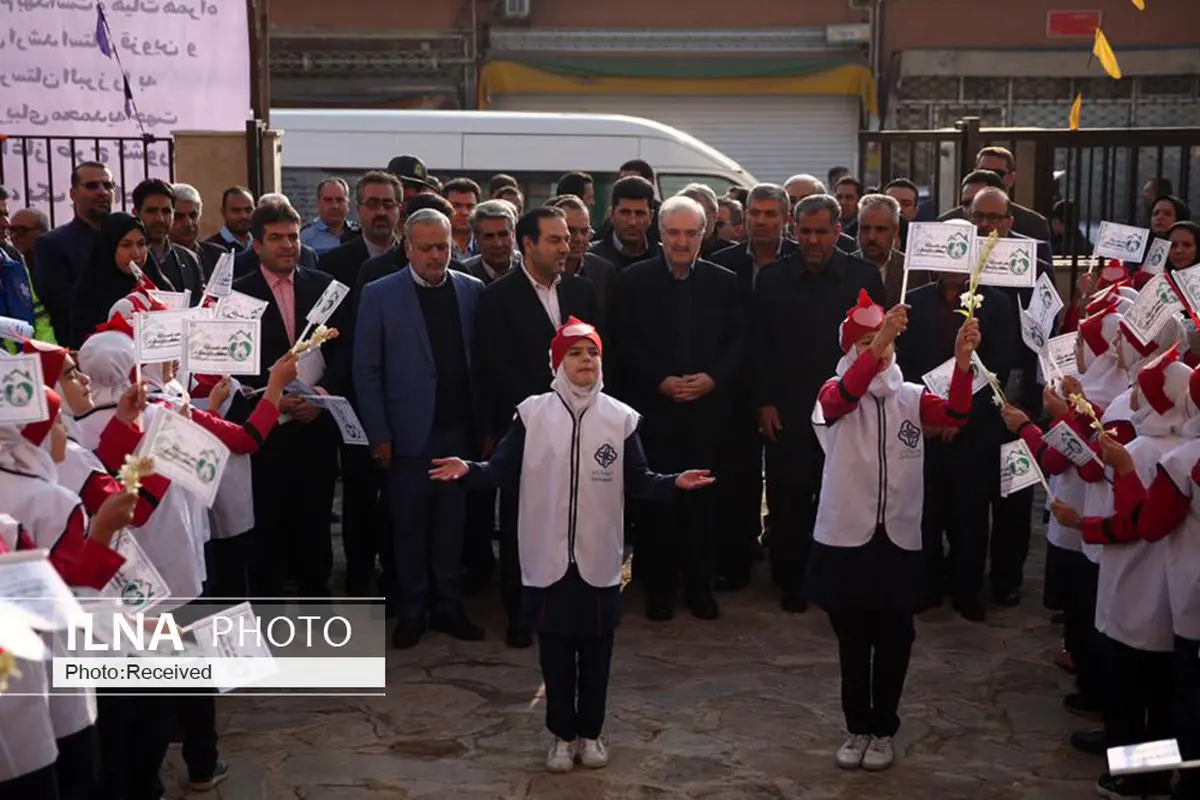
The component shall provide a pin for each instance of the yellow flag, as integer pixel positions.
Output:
(1103, 51)
(1141, 4)
(1076, 110)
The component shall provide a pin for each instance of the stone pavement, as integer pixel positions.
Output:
(740, 709)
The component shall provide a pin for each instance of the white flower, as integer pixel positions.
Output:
(997, 402)
(970, 300)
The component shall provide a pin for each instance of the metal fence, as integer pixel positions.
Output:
(36, 170)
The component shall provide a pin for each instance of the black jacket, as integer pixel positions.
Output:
(609, 252)
(646, 334)
(344, 263)
(920, 349)
(61, 257)
(795, 317)
(309, 284)
(181, 268)
(737, 259)
(514, 334)
(208, 254)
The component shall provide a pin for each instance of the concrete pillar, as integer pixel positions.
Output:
(212, 162)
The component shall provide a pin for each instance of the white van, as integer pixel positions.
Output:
(534, 148)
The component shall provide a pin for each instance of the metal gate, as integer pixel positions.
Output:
(1101, 170)
(37, 169)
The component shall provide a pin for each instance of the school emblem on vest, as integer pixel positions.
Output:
(909, 434)
(606, 455)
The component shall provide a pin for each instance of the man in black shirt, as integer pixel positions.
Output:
(679, 340)
(631, 211)
(799, 302)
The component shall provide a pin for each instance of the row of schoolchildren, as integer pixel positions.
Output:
(58, 484)
(1124, 536)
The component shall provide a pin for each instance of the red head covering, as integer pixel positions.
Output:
(36, 432)
(1165, 381)
(1112, 274)
(53, 358)
(866, 317)
(116, 323)
(1093, 332)
(572, 331)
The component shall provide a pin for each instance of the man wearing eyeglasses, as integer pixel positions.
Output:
(597, 269)
(61, 256)
(378, 196)
(1026, 221)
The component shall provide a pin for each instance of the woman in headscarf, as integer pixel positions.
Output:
(1184, 236)
(109, 275)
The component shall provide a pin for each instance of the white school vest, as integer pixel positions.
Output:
(555, 520)
(1071, 490)
(26, 735)
(1183, 545)
(232, 512)
(1098, 499)
(1132, 604)
(167, 537)
(877, 449)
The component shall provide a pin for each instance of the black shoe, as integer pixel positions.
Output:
(1083, 706)
(518, 639)
(793, 602)
(731, 583)
(1155, 784)
(1007, 599)
(220, 773)
(457, 626)
(1090, 742)
(659, 608)
(971, 610)
(407, 633)
(704, 606)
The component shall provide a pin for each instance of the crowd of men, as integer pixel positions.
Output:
(720, 321)
(720, 363)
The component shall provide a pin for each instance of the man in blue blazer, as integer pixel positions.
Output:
(413, 361)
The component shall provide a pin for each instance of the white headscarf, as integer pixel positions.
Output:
(577, 398)
(885, 383)
(18, 454)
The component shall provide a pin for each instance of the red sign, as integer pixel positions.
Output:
(1072, 23)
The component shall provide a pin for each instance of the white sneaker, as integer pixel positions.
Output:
(561, 757)
(850, 756)
(592, 753)
(879, 755)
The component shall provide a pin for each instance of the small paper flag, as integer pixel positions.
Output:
(1139, 4)
(1076, 110)
(1103, 51)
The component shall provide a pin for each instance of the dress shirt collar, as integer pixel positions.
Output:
(538, 286)
(424, 284)
(275, 280)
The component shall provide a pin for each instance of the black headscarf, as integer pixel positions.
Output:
(1182, 212)
(102, 283)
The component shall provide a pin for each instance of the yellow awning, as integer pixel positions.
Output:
(509, 77)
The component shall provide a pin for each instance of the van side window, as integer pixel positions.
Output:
(669, 183)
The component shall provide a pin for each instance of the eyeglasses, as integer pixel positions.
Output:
(375, 204)
(979, 216)
(92, 186)
(580, 232)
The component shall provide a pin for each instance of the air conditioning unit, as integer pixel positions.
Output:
(516, 9)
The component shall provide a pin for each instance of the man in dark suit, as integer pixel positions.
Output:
(962, 468)
(154, 205)
(799, 302)
(377, 196)
(878, 225)
(602, 273)
(237, 207)
(62, 255)
(739, 457)
(801, 186)
(679, 336)
(999, 162)
(295, 470)
(412, 369)
(185, 229)
(517, 317)
(493, 226)
(631, 211)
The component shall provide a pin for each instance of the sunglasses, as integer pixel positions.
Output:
(92, 186)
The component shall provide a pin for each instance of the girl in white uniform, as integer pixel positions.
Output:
(866, 567)
(1133, 609)
(1172, 510)
(577, 452)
